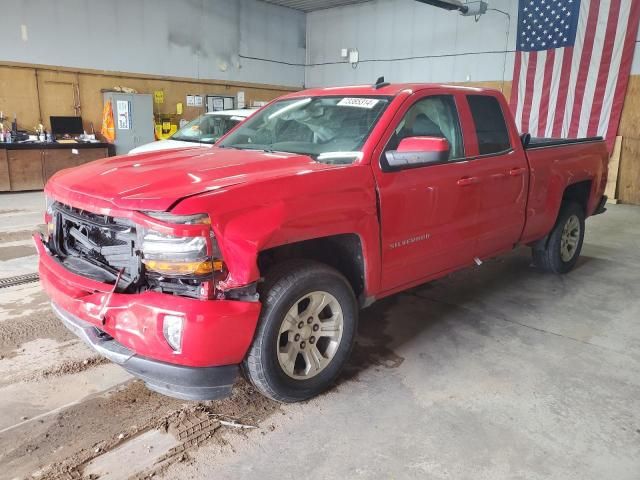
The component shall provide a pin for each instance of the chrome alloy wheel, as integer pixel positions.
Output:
(570, 238)
(309, 335)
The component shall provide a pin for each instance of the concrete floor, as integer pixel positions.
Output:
(500, 371)
(496, 372)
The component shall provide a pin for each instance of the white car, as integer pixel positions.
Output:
(203, 131)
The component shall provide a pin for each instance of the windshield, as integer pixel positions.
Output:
(206, 128)
(331, 129)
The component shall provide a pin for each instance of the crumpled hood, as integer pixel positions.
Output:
(157, 180)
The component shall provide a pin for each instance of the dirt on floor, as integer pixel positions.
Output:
(25, 315)
(60, 446)
(36, 349)
(12, 236)
(74, 440)
(16, 251)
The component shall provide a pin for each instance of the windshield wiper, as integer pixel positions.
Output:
(190, 140)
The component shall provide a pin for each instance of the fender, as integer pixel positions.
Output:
(553, 170)
(251, 217)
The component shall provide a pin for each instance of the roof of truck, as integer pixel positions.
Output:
(390, 90)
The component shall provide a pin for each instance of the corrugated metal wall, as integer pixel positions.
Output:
(383, 30)
(454, 48)
(187, 38)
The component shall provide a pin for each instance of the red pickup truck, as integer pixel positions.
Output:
(185, 266)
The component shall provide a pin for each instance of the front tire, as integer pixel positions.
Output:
(564, 244)
(305, 333)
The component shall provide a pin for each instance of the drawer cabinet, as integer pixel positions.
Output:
(59, 159)
(29, 168)
(25, 169)
(4, 171)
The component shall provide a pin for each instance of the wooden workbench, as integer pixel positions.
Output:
(28, 166)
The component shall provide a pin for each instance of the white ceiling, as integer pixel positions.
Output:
(312, 5)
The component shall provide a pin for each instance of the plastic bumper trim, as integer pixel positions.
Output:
(178, 381)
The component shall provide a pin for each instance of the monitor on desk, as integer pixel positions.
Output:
(66, 125)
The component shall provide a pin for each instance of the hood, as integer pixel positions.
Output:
(156, 180)
(167, 145)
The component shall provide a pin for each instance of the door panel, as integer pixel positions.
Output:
(428, 214)
(504, 198)
(142, 119)
(428, 222)
(502, 167)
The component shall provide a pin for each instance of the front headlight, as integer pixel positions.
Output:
(197, 219)
(157, 246)
(49, 217)
(172, 255)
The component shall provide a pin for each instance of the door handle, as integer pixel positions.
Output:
(499, 176)
(468, 181)
(515, 172)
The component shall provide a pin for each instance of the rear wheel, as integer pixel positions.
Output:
(564, 244)
(306, 331)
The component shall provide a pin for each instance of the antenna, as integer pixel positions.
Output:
(380, 83)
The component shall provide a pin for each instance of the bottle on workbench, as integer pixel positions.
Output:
(41, 135)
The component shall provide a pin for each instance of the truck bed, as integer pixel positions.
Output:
(554, 164)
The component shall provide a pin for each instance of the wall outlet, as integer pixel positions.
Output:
(354, 56)
(344, 53)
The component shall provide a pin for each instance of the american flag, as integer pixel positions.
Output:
(572, 65)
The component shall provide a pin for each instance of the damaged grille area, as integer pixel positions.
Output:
(105, 248)
(99, 247)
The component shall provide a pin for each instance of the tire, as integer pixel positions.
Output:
(564, 244)
(292, 321)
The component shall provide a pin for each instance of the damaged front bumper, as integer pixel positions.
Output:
(179, 381)
(127, 328)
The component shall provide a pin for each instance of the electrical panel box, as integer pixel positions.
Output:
(133, 119)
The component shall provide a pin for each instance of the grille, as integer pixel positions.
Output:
(100, 247)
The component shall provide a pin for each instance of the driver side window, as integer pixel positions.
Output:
(435, 116)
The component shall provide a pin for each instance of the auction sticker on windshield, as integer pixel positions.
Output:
(358, 102)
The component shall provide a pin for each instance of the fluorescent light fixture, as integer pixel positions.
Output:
(447, 4)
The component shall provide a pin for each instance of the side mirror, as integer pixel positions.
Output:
(417, 152)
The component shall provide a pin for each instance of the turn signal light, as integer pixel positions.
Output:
(185, 268)
(180, 268)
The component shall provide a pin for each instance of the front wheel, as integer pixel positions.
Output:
(564, 244)
(305, 333)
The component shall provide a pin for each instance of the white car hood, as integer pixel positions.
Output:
(167, 145)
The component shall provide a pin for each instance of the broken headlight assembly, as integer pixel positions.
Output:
(49, 216)
(184, 265)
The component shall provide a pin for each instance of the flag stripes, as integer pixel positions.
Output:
(576, 89)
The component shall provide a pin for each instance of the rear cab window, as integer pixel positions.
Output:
(491, 128)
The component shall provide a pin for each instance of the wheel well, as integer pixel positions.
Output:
(342, 252)
(579, 193)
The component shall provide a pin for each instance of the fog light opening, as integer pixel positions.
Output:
(172, 326)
